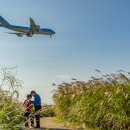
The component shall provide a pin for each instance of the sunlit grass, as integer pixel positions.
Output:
(11, 113)
(102, 103)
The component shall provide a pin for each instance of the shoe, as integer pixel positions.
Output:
(36, 127)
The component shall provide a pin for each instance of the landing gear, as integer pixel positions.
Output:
(29, 34)
(50, 36)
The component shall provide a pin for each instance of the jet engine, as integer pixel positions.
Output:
(19, 35)
(29, 34)
(37, 27)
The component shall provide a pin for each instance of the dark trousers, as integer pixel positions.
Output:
(28, 116)
(37, 115)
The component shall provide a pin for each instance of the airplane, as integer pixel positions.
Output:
(28, 31)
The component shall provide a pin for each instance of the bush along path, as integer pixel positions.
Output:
(101, 103)
(11, 115)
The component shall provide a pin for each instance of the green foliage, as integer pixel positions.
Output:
(47, 111)
(11, 116)
(99, 103)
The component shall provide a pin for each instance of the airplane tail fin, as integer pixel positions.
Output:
(3, 22)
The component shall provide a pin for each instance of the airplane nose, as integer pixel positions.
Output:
(54, 32)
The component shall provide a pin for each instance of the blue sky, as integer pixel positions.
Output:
(89, 35)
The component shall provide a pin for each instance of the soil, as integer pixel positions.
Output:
(49, 124)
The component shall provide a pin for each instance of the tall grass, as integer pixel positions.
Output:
(102, 103)
(11, 116)
(47, 111)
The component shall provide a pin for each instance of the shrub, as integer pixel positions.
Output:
(47, 111)
(101, 102)
(11, 116)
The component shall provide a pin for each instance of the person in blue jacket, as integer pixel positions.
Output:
(37, 105)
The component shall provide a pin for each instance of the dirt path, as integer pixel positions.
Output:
(50, 124)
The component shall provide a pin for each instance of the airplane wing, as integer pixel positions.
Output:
(33, 26)
(18, 34)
